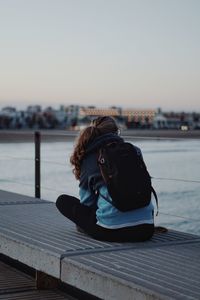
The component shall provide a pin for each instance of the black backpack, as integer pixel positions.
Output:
(125, 175)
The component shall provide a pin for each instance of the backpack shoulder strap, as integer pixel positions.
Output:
(156, 197)
(97, 193)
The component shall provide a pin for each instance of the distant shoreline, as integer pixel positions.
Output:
(14, 136)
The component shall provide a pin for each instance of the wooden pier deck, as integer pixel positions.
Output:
(34, 233)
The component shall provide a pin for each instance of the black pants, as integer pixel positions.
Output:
(85, 218)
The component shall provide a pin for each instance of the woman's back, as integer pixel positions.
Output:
(92, 212)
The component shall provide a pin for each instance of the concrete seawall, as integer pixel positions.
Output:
(7, 136)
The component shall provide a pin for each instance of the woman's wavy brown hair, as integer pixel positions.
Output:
(98, 126)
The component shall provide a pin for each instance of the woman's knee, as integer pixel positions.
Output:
(60, 202)
(67, 204)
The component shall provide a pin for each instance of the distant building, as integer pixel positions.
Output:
(95, 112)
(160, 121)
(72, 110)
(141, 114)
(34, 109)
(8, 111)
(138, 118)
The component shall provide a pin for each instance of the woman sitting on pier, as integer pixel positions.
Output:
(92, 213)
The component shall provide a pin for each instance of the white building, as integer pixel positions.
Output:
(160, 121)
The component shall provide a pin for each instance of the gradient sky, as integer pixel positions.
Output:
(132, 53)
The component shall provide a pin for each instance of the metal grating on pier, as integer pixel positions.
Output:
(12, 280)
(170, 271)
(7, 198)
(15, 285)
(36, 295)
(35, 233)
(43, 226)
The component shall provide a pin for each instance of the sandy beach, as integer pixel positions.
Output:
(13, 136)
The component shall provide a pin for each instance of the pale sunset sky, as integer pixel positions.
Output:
(129, 53)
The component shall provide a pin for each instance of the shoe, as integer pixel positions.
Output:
(79, 229)
(160, 229)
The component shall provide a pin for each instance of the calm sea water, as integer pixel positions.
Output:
(173, 164)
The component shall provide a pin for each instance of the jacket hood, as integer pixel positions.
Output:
(102, 140)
